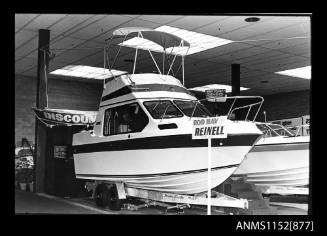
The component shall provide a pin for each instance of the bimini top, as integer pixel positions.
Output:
(143, 86)
(164, 39)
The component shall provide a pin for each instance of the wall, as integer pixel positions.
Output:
(286, 105)
(62, 94)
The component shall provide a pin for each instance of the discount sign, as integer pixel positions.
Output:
(213, 127)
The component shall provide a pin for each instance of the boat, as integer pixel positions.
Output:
(142, 135)
(279, 158)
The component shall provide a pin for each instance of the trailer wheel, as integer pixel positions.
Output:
(101, 195)
(114, 202)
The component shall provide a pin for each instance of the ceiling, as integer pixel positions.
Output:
(272, 44)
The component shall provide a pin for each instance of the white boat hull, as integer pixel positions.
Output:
(283, 164)
(177, 170)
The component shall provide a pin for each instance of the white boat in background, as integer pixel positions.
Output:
(279, 158)
(142, 135)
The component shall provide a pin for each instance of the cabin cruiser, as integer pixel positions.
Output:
(279, 158)
(142, 135)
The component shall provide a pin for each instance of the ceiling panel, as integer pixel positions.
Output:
(65, 43)
(70, 23)
(225, 25)
(281, 65)
(193, 22)
(299, 29)
(22, 19)
(248, 30)
(298, 49)
(264, 57)
(100, 26)
(23, 37)
(27, 49)
(160, 19)
(225, 49)
(237, 55)
(44, 21)
(281, 44)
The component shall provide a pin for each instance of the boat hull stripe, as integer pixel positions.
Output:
(145, 88)
(156, 175)
(280, 147)
(162, 142)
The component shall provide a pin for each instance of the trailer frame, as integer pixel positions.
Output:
(165, 199)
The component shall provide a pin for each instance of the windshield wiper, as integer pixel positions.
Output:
(194, 110)
(165, 112)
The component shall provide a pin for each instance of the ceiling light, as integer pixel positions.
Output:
(88, 72)
(198, 42)
(252, 19)
(302, 72)
(228, 88)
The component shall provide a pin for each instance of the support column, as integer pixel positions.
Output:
(236, 80)
(41, 102)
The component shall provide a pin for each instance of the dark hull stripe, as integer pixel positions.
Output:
(145, 88)
(156, 175)
(162, 142)
(280, 147)
(133, 99)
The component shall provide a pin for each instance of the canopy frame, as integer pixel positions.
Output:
(154, 36)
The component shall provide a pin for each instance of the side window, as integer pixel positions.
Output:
(124, 119)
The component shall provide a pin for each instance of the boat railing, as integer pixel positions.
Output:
(280, 130)
(301, 127)
(248, 106)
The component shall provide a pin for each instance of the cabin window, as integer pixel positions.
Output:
(162, 109)
(190, 107)
(124, 119)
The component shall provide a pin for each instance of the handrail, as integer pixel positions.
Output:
(300, 127)
(231, 110)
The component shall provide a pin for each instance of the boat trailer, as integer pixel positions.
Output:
(110, 194)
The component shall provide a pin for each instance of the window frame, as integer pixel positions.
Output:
(181, 100)
(173, 104)
(128, 132)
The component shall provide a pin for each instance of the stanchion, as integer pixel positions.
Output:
(209, 177)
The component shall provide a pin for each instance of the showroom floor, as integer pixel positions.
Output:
(31, 203)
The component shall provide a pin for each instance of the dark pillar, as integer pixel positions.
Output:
(41, 102)
(236, 81)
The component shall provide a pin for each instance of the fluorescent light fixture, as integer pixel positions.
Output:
(228, 88)
(302, 72)
(88, 72)
(198, 42)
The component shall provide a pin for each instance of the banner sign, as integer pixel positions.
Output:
(66, 117)
(216, 95)
(213, 127)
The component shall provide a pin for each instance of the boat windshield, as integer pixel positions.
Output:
(192, 108)
(162, 109)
